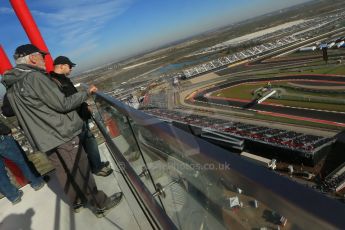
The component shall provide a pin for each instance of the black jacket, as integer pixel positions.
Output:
(6, 107)
(66, 86)
(4, 129)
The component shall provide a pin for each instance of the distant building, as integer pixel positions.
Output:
(305, 49)
(273, 164)
(257, 159)
(132, 101)
(175, 81)
(330, 45)
(340, 44)
(234, 202)
(323, 46)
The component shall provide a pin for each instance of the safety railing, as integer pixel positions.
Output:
(184, 182)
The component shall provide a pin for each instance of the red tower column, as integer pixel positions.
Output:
(111, 125)
(17, 174)
(5, 63)
(31, 29)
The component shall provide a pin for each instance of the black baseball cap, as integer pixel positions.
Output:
(27, 49)
(61, 60)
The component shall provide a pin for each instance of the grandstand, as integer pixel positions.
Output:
(333, 184)
(239, 56)
(269, 142)
(269, 43)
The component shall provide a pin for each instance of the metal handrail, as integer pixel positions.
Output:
(300, 204)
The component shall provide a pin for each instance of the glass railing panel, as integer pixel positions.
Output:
(204, 186)
(194, 193)
(121, 133)
(169, 165)
(185, 184)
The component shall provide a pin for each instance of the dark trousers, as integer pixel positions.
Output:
(90, 146)
(74, 175)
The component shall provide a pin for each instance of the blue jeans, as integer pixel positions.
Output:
(10, 150)
(90, 145)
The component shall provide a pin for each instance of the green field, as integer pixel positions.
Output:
(241, 91)
(244, 91)
(340, 95)
(331, 69)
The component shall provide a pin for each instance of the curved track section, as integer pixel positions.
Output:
(306, 114)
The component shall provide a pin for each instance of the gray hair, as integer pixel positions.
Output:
(23, 60)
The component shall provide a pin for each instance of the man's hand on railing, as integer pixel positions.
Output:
(92, 89)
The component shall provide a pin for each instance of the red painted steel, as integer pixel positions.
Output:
(112, 126)
(5, 63)
(24, 15)
(34, 35)
(16, 172)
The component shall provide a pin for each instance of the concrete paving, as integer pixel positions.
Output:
(46, 209)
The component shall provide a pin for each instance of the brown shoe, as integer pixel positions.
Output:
(104, 172)
(78, 207)
(112, 202)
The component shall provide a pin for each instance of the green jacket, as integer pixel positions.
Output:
(47, 117)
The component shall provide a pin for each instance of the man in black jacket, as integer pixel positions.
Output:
(62, 68)
(10, 150)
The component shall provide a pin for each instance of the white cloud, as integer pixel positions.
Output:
(76, 23)
(88, 47)
(6, 10)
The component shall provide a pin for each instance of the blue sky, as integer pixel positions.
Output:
(93, 32)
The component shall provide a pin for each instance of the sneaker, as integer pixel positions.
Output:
(78, 207)
(39, 186)
(113, 201)
(105, 164)
(19, 198)
(105, 171)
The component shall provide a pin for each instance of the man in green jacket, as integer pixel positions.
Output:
(52, 125)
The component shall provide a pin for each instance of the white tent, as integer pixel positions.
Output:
(234, 202)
